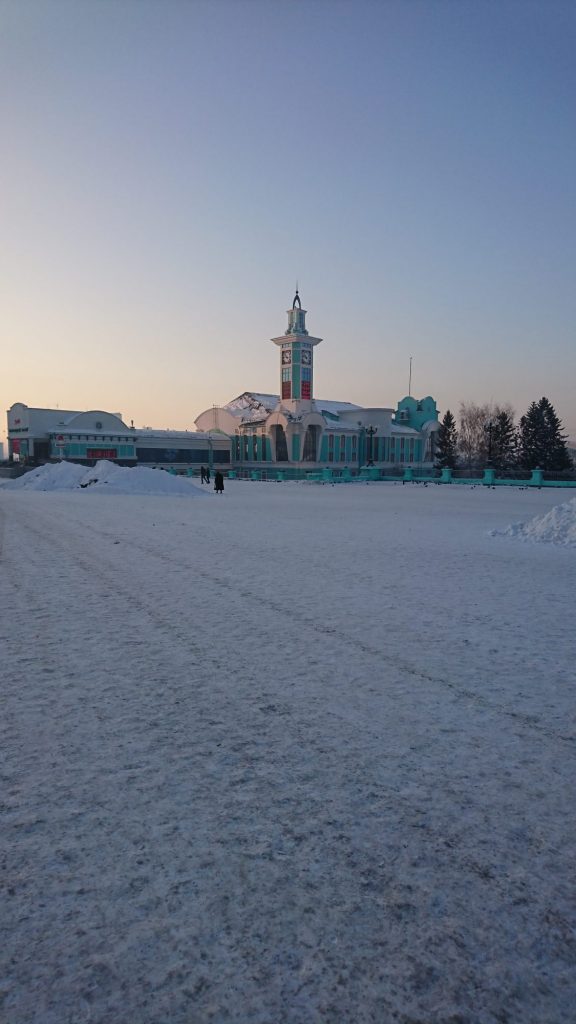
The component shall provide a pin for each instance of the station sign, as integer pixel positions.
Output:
(101, 453)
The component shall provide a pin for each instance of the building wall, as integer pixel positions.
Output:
(42, 434)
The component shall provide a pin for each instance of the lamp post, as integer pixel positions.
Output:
(488, 429)
(370, 431)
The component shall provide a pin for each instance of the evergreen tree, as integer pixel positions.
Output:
(542, 444)
(503, 441)
(531, 438)
(446, 442)
(557, 457)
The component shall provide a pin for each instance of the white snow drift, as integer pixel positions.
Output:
(558, 526)
(68, 476)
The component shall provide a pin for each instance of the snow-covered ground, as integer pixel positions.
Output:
(291, 755)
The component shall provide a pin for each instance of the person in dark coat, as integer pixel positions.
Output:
(218, 482)
(202, 474)
(207, 474)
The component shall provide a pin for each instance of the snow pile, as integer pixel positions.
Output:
(60, 476)
(68, 476)
(556, 527)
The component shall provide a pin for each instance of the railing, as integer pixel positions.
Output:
(409, 474)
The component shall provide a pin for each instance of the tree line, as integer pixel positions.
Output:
(486, 435)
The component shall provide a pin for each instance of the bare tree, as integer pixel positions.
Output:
(474, 433)
(471, 433)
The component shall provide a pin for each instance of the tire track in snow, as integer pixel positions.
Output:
(227, 585)
(368, 867)
(63, 554)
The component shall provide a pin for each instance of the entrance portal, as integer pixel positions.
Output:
(311, 444)
(281, 445)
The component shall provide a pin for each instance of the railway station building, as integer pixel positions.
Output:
(299, 431)
(292, 430)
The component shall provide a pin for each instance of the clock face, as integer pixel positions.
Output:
(286, 356)
(306, 356)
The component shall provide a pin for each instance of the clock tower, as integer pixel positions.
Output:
(297, 361)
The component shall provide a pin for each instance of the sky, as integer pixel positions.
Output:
(170, 169)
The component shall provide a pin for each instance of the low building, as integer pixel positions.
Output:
(295, 429)
(39, 435)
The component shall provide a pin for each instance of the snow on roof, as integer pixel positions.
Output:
(68, 431)
(335, 408)
(256, 415)
(251, 401)
(105, 477)
(341, 428)
(399, 428)
(172, 435)
(251, 405)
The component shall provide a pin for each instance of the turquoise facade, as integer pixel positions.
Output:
(80, 450)
(414, 412)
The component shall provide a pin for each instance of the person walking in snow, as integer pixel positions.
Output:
(207, 474)
(218, 483)
(202, 474)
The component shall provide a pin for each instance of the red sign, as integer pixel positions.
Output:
(16, 446)
(60, 439)
(101, 453)
(305, 389)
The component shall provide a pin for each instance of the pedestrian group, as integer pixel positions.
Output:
(218, 479)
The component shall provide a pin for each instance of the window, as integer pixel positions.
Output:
(330, 447)
(306, 373)
(157, 455)
(286, 373)
(342, 448)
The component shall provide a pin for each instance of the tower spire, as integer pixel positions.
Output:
(296, 359)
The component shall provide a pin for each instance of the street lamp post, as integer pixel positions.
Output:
(370, 431)
(488, 429)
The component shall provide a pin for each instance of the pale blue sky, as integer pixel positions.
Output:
(169, 169)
